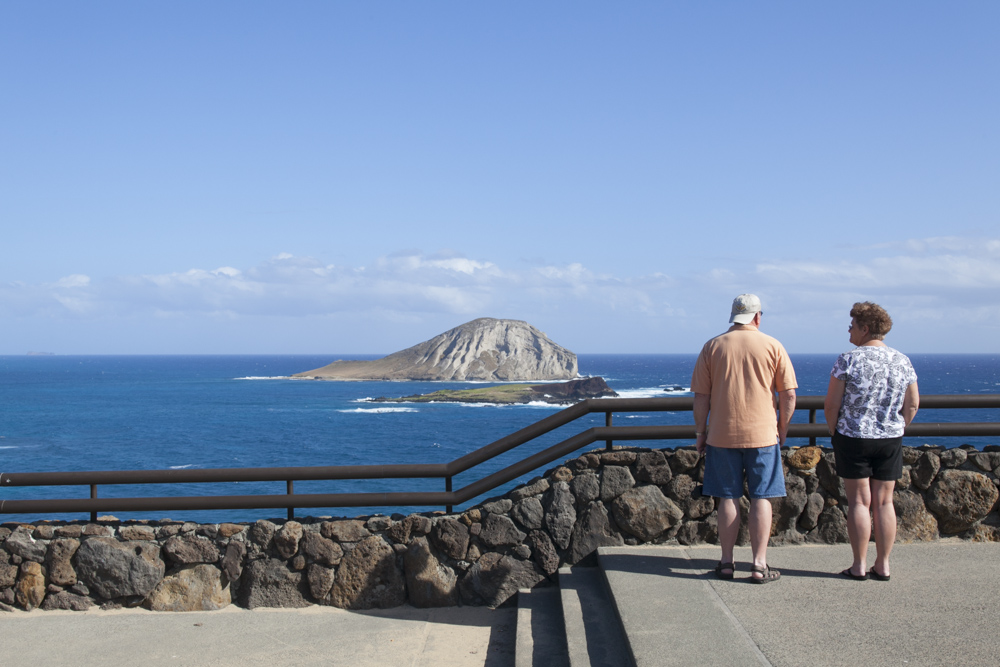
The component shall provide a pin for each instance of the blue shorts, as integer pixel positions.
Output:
(724, 468)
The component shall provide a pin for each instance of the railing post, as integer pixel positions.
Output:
(93, 494)
(608, 444)
(290, 490)
(812, 420)
(447, 488)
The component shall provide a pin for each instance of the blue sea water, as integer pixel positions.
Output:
(69, 413)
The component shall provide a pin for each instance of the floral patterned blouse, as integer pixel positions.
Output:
(876, 380)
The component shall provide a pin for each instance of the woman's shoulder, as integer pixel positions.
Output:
(898, 358)
(860, 352)
(867, 355)
(894, 353)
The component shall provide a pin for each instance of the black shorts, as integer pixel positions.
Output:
(878, 458)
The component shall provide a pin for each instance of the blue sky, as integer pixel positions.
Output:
(344, 177)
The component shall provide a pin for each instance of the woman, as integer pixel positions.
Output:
(872, 397)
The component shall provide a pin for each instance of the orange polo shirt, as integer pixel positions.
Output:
(741, 370)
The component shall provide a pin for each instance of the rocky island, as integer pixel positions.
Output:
(486, 349)
(561, 393)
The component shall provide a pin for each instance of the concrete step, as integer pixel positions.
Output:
(594, 636)
(541, 633)
(670, 613)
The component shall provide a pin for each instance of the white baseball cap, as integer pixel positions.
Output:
(745, 306)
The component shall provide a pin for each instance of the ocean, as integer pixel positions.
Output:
(70, 413)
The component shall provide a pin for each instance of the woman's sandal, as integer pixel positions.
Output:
(879, 577)
(767, 575)
(725, 566)
(856, 577)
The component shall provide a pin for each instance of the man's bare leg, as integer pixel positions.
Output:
(760, 532)
(729, 527)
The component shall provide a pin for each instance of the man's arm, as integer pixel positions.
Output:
(831, 404)
(702, 404)
(786, 406)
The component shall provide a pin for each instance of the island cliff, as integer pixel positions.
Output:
(486, 349)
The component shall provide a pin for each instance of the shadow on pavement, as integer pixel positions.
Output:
(691, 568)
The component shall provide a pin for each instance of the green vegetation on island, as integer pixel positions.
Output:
(509, 394)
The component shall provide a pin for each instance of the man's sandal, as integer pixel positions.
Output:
(725, 566)
(767, 575)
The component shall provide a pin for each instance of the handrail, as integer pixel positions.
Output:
(448, 498)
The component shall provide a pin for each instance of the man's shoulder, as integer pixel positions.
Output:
(744, 334)
(715, 343)
(726, 335)
(771, 340)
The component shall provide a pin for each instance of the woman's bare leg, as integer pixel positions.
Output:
(859, 521)
(883, 523)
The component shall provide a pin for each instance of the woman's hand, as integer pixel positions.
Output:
(834, 399)
(911, 403)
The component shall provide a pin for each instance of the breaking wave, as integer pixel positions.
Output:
(656, 392)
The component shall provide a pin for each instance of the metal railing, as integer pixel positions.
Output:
(447, 471)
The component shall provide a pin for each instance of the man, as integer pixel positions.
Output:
(734, 382)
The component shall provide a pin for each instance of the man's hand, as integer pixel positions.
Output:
(786, 406)
(702, 404)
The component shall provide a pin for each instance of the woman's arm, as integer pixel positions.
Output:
(832, 402)
(911, 403)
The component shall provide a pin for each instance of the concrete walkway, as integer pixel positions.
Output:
(449, 637)
(940, 608)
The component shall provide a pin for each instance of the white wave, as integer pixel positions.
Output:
(468, 405)
(377, 411)
(532, 404)
(264, 377)
(9, 447)
(189, 465)
(654, 392)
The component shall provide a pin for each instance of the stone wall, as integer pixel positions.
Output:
(478, 557)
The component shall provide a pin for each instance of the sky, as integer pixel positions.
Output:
(355, 178)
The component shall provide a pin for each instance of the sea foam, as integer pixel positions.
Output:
(654, 392)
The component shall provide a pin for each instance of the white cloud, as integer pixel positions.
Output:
(75, 280)
(936, 280)
(287, 285)
(977, 267)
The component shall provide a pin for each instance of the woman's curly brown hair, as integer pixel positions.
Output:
(874, 317)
